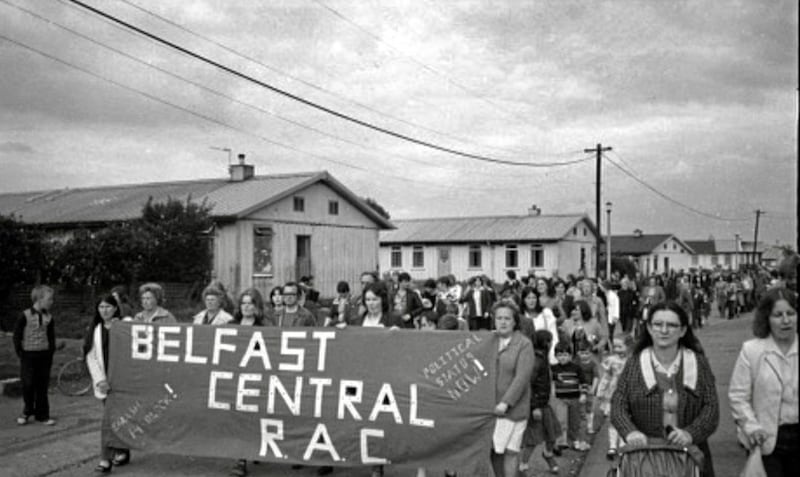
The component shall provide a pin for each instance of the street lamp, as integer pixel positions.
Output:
(608, 241)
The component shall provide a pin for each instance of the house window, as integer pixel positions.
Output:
(674, 247)
(475, 256)
(584, 231)
(333, 207)
(714, 260)
(418, 257)
(655, 263)
(299, 204)
(665, 246)
(727, 259)
(397, 257)
(537, 256)
(695, 260)
(512, 256)
(583, 259)
(262, 251)
(575, 231)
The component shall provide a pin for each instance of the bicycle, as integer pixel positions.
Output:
(74, 378)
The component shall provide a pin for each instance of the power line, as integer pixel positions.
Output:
(223, 95)
(232, 127)
(416, 61)
(317, 106)
(670, 199)
(322, 89)
(213, 91)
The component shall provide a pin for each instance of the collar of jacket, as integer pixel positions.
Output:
(688, 365)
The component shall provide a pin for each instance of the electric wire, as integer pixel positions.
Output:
(235, 128)
(320, 88)
(315, 105)
(670, 199)
(218, 93)
(418, 62)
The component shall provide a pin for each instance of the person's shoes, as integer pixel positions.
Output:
(325, 470)
(22, 420)
(49, 422)
(557, 450)
(377, 471)
(611, 454)
(551, 463)
(103, 467)
(121, 458)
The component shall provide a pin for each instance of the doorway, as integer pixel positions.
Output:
(303, 259)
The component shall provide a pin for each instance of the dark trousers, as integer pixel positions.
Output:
(784, 460)
(480, 323)
(35, 374)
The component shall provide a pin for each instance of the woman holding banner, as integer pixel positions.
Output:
(249, 312)
(95, 350)
(512, 388)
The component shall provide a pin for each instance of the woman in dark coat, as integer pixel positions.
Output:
(666, 391)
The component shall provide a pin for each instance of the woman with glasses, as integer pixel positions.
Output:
(763, 388)
(666, 392)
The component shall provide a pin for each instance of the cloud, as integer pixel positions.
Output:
(13, 147)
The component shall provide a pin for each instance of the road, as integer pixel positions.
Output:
(71, 447)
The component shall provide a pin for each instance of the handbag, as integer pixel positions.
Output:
(754, 467)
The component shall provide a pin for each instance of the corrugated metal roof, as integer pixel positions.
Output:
(516, 228)
(125, 202)
(636, 244)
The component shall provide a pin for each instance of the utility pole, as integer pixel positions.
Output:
(755, 239)
(599, 150)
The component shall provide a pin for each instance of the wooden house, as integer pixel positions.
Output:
(268, 229)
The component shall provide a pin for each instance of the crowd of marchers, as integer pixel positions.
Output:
(572, 353)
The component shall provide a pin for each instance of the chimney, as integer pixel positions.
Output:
(241, 172)
(638, 233)
(534, 210)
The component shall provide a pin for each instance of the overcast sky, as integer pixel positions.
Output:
(697, 98)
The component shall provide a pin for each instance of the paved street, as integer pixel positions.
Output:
(71, 447)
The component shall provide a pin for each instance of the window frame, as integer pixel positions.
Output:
(537, 249)
(417, 251)
(333, 207)
(396, 252)
(299, 203)
(511, 250)
(269, 233)
(472, 252)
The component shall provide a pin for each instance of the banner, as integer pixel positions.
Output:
(317, 396)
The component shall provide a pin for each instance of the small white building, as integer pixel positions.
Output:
(546, 245)
(653, 253)
(724, 254)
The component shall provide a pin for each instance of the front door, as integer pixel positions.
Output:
(443, 263)
(303, 259)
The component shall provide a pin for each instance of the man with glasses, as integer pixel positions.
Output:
(292, 314)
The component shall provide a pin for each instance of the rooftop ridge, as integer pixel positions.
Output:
(221, 180)
(471, 217)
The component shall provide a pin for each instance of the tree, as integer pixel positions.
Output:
(176, 244)
(21, 256)
(377, 207)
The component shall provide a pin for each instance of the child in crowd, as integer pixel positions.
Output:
(612, 368)
(588, 361)
(35, 343)
(543, 424)
(570, 389)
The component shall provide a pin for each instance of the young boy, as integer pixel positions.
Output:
(35, 342)
(570, 389)
(588, 363)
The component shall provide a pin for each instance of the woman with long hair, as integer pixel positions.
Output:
(95, 351)
(539, 317)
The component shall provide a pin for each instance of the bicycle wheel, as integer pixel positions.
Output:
(74, 378)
